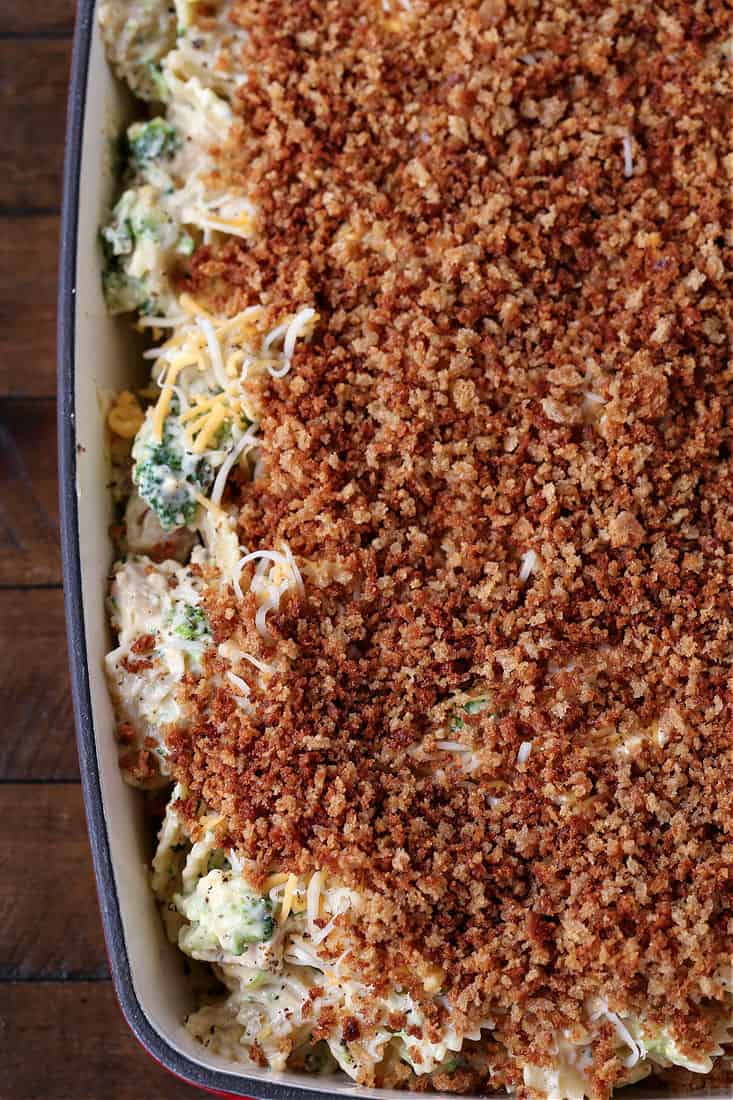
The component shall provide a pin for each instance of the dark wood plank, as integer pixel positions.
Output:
(28, 267)
(34, 687)
(69, 1042)
(33, 85)
(46, 17)
(49, 921)
(29, 517)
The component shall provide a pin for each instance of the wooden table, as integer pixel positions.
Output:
(62, 1036)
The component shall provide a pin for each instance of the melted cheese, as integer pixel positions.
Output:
(208, 432)
(161, 411)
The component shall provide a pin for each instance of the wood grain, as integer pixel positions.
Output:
(29, 515)
(45, 17)
(62, 1036)
(70, 1042)
(28, 269)
(34, 687)
(33, 86)
(49, 920)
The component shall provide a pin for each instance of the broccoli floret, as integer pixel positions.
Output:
(154, 140)
(259, 923)
(138, 242)
(167, 475)
(123, 292)
(190, 623)
(169, 497)
(224, 912)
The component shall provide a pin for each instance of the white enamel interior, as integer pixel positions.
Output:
(107, 358)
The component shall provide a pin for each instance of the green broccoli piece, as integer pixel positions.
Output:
(154, 140)
(123, 292)
(224, 912)
(169, 498)
(190, 623)
(158, 82)
(261, 923)
(473, 706)
(167, 475)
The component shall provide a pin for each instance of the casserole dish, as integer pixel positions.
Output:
(97, 353)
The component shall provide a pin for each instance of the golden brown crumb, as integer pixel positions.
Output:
(513, 221)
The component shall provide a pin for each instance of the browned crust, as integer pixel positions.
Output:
(448, 189)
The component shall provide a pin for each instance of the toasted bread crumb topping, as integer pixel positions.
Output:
(505, 454)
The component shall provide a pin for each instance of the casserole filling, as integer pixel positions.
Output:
(422, 599)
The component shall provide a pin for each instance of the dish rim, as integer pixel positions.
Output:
(211, 1079)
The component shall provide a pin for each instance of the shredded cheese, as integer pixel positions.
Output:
(297, 327)
(239, 683)
(216, 512)
(206, 436)
(528, 566)
(248, 441)
(161, 411)
(261, 666)
(288, 896)
(163, 405)
(190, 303)
(215, 356)
(237, 227)
(524, 752)
(313, 899)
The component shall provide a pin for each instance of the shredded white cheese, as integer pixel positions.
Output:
(524, 750)
(215, 356)
(528, 566)
(247, 443)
